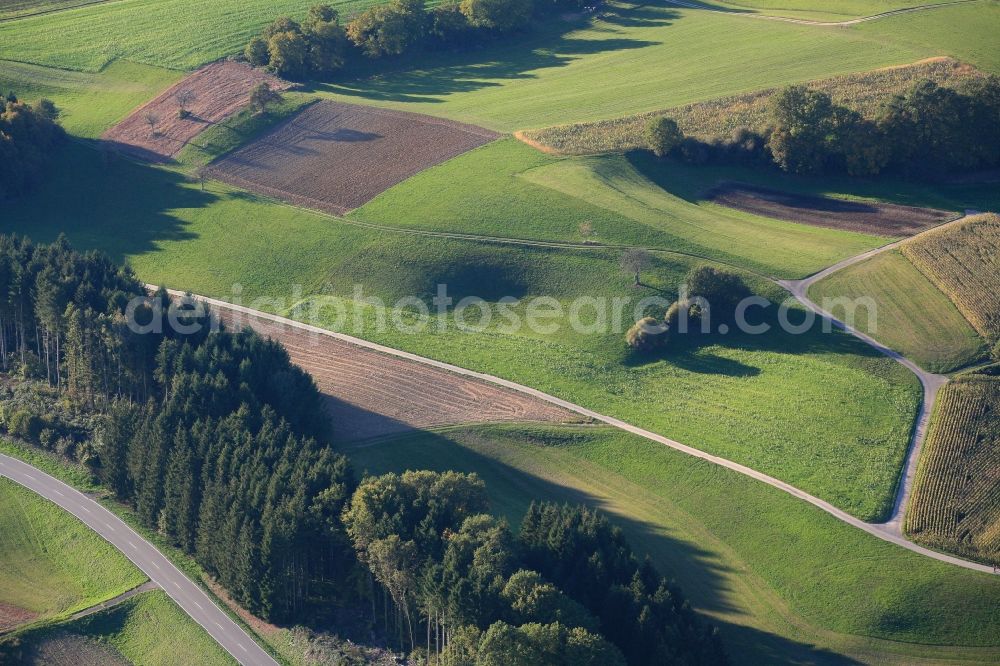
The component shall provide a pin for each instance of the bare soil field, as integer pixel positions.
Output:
(373, 395)
(217, 91)
(870, 218)
(335, 157)
(14, 616)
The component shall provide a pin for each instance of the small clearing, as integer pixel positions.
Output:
(156, 131)
(373, 395)
(334, 157)
(866, 217)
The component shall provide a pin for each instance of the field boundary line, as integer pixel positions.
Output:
(812, 22)
(876, 530)
(108, 604)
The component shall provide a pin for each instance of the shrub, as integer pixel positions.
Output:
(663, 135)
(47, 438)
(388, 30)
(263, 96)
(256, 52)
(287, 54)
(646, 335)
(25, 425)
(499, 15)
(723, 290)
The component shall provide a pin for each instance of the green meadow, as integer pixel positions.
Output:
(762, 400)
(840, 10)
(784, 581)
(911, 315)
(148, 628)
(50, 563)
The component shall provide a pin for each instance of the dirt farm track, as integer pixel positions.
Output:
(335, 157)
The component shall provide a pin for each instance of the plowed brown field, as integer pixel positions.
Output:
(870, 218)
(373, 394)
(219, 90)
(335, 157)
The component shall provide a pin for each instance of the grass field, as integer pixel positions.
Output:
(50, 563)
(956, 500)
(575, 72)
(14, 8)
(839, 10)
(786, 582)
(89, 103)
(865, 92)
(760, 399)
(177, 34)
(964, 262)
(912, 316)
(966, 31)
(146, 629)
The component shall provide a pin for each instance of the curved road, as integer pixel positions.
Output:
(191, 598)
(880, 531)
(930, 382)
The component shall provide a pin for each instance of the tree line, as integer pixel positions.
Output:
(222, 446)
(927, 130)
(29, 134)
(321, 45)
(455, 584)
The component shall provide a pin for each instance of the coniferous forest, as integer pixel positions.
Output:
(223, 446)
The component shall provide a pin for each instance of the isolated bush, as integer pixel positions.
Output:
(722, 289)
(995, 352)
(663, 135)
(263, 96)
(646, 335)
(498, 15)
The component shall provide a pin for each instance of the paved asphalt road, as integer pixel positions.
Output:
(191, 598)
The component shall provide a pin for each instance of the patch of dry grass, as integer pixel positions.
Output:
(719, 118)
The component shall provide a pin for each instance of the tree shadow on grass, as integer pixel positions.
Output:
(518, 57)
(105, 201)
(697, 570)
(693, 183)
(690, 351)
